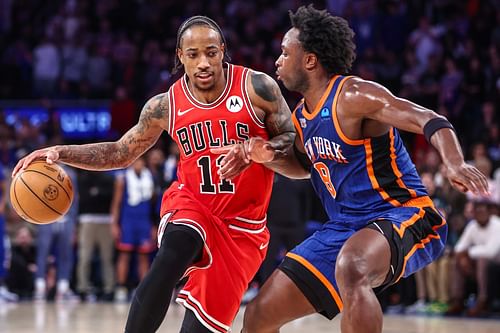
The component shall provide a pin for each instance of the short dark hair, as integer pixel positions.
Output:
(327, 36)
(192, 21)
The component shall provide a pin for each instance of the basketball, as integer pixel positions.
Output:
(42, 193)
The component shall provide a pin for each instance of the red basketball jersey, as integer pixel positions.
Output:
(197, 127)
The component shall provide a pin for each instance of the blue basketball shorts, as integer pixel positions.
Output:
(416, 235)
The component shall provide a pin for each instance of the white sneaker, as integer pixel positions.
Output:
(121, 295)
(39, 295)
(66, 297)
(8, 296)
(418, 307)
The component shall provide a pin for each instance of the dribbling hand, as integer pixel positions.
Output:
(49, 154)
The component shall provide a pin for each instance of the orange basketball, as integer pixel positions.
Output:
(42, 193)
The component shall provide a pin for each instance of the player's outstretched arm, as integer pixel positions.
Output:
(366, 99)
(109, 155)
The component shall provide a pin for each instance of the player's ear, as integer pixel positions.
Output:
(311, 61)
(223, 48)
(179, 54)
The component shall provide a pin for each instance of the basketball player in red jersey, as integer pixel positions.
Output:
(212, 230)
(382, 224)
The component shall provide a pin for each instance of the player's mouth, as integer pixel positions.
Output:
(278, 77)
(204, 76)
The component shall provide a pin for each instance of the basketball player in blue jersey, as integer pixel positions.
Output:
(383, 225)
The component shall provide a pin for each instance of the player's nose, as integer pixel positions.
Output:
(277, 63)
(203, 64)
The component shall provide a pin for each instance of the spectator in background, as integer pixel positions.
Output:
(46, 68)
(23, 264)
(424, 40)
(131, 222)
(7, 148)
(123, 112)
(96, 191)
(5, 295)
(432, 282)
(98, 72)
(155, 161)
(476, 248)
(170, 169)
(74, 65)
(59, 235)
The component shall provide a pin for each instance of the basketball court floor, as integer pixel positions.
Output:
(109, 318)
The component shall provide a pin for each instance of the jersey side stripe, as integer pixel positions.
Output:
(395, 168)
(371, 175)
(384, 171)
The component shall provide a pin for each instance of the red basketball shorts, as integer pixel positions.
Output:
(233, 252)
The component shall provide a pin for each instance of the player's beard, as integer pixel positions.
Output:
(299, 83)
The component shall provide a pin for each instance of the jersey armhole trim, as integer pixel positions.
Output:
(248, 102)
(336, 122)
(171, 111)
(297, 125)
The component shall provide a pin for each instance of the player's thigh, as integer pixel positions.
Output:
(279, 301)
(366, 256)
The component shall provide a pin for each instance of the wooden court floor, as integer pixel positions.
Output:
(107, 318)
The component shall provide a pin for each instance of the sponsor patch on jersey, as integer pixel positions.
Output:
(325, 113)
(234, 104)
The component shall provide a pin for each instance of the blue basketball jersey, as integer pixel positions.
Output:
(354, 178)
(137, 196)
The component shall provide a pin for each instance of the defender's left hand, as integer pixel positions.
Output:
(466, 177)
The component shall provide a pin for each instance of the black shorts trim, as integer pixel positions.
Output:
(397, 254)
(403, 245)
(316, 292)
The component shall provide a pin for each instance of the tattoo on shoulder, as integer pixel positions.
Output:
(155, 109)
(263, 87)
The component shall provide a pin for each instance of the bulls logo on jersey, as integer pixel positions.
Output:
(234, 104)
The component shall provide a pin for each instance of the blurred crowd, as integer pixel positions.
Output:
(442, 54)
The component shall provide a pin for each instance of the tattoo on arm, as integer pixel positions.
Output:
(278, 122)
(263, 88)
(119, 154)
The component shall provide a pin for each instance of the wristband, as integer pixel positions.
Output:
(434, 125)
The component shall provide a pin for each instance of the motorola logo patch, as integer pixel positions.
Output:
(234, 104)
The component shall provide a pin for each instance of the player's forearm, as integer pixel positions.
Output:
(285, 162)
(289, 166)
(97, 156)
(448, 146)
